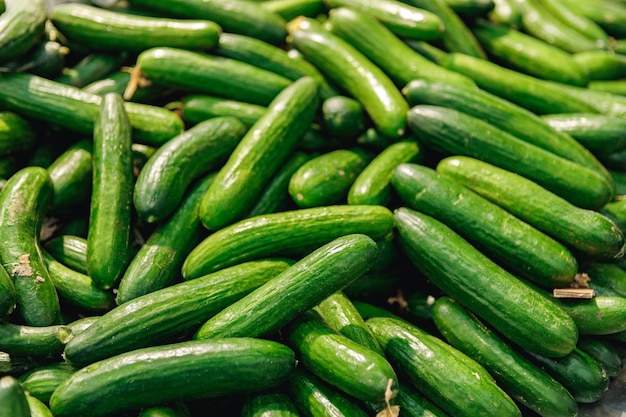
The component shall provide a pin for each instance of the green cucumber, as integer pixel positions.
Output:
(117, 82)
(506, 12)
(70, 250)
(502, 300)
(514, 244)
(71, 176)
(109, 239)
(601, 64)
(8, 295)
(37, 407)
(600, 133)
(91, 68)
(342, 117)
(157, 264)
(167, 174)
(373, 184)
(604, 351)
(471, 8)
(259, 154)
(234, 16)
(13, 398)
(21, 27)
(452, 132)
(353, 72)
(346, 365)
(290, 9)
(19, 339)
(609, 15)
(326, 179)
(46, 59)
(270, 403)
(24, 201)
(586, 231)
(414, 404)
(42, 381)
(69, 107)
(449, 378)
(172, 311)
(605, 278)
(106, 30)
(581, 23)
(160, 411)
(16, 133)
(614, 210)
(197, 108)
(518, 377)
(598, 316)
(152, 376)
(299, 288)
(609, 86)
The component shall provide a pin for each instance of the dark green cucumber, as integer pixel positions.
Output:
(586, 231)
(343, 117)
(38, 408)
(604, 351)
(600, 133)
(449, 378)
(19, 339)
(601, 101)
(13, 398)
(8, 295)
(46, 59)
(471, 8)
(353, 72)
(197, 108)
(107, 30)
(71, 176)
(117, 82)
(234, 16)
(598, 316)
(270, 403)
(157, 264)
(502, 300)
(299, 288)
(42, 381)
(348, 366)
(518, 377)
(159, 316)
(91, 68)
(152, 376)
(452, 132)
(506, 12)
(259, 154)
(512, 243)
(577, 21)
(24, 201)
(387, 50)
(601, 64)
(167, 174)
(605, 278)
(109, 238)
(327, 178)
(578, 372)
(373, 184)
(414, 404)
(16, 133)
(290, 9)
(70, 250)
(614, 210)
(161, 411)
(71, 108)
(293, 232)
(21, 27)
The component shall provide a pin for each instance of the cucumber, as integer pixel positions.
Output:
(13, 398)
(585, 231)
(518, 377)
(604, 351)
(343, 117)
(71, 176)
(70, 250)
(8, 295)
(69, 107)
(46, 59)
(414, 404)
(450, 379)
(106, 30)
(598, 316)
(294, 232)
(24, 200)
(609, 15)
(109, 239)
(151, 376)
(270, 403)
(577, 21)
(205, 74)
(471, 8)
(514, 244)
(42, 381)
(601, 64)
(38, 408)
(117, 82)
(600, 133)
(290, 9)
(173, 311)
(302, 286)
(353, 72)
(259, 154)
(506, 12)
(502, 300)
(605, 278)
(16, 133)
(616, 87)
(197, 108)
(21, 27)
(19, 339)
(614, 210)
(167, 174)
(452, 132)
(91, 68)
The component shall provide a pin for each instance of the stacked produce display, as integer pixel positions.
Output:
(312, 207)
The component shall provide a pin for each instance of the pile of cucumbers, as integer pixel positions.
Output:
(311, 207)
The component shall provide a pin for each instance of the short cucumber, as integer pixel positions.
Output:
(70, 250)
(24, 201)
(152, 376)
(46, 59)
(91, 68)
(614, 210)
(16, 133)
(42, 381)
(71, 176)
(518, 377)
(19, 339)
(502, 300)
(609, 15)
(601, 64)
(605, 278)
(13, 398)
(37, 407)
(294, 232)
(600, 133)
(586, 231)
(21, 27)
(8, 295)
(449, 378)
(471, 8)
(598, 316)
(604, 351)
(197, 108)
(109, 238)
(343, 117)
(299, 288)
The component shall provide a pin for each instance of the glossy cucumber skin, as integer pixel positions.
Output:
(415, 404)
(152, 376)
(71, 175)
(24, 200)
(42, 381)
(109, 237)
(516, 245)
(259, 154)
(168, 173)
(37, 407)
(158, 316)
(13, 397)
(197, 108)
(93, 66)
(8, 295)
(18, 339)
(158, 261)
(600, 133)
(70, 250)
(442, 373)
(290, 9)
(598, 316)
(106, 30)
(605, 278)
(604, 351)
(76, 110)
(351, 70)
(21, 27)
(518, 377)
(273, 403)
(342, 117)
(585, 231)
(502, 300)
(305, 284)
(293, 232)
(452, 132)
(577, 21)
(16, 133)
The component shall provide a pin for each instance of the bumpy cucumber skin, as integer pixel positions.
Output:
(443, 373)
(13, 397)
(71, 174)
(42, 381)
(152, 376)
(23, 202)
(504, 301)
(21, 27)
